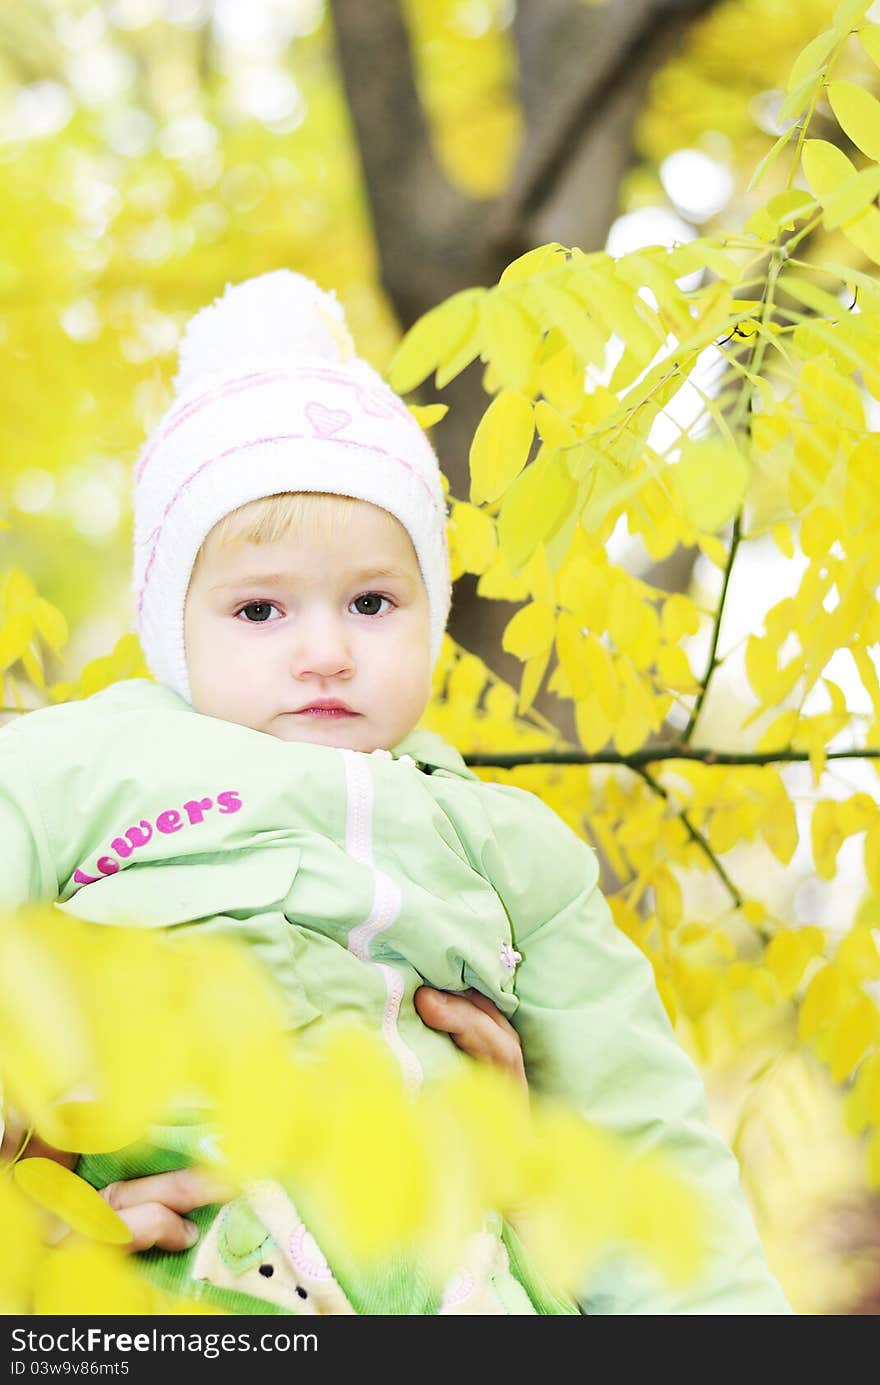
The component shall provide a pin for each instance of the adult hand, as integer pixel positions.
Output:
(154, 1208)
(475, 1025)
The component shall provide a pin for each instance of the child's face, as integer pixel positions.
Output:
(272, 628)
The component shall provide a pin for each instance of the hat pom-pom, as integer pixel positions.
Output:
(280, 316)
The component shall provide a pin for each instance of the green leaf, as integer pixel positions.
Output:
(810, 59)
(853, 196)
(825, 166)
(859, 115)
(848, 14)
(712, 478)
(817, 299)
(869, 38)
(796, 100)
(769, 159)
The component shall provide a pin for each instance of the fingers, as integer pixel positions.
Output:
(153, 1225)
(475, 1025)
(151, 1207)
(179, 1191)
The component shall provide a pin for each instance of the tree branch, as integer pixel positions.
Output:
(696, 837)
(652, 755)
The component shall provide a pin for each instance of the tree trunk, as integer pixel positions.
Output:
(583, 72)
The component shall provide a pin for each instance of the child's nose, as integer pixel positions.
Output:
(321, 647)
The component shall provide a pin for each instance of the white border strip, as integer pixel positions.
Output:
(387, 901)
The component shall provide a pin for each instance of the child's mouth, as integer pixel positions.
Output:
(325, 712)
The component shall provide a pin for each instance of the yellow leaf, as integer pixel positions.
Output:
(853, 1034)
(602, 671)
(873, 1091)
(86, 1280)
(780, 731)
(426, 415)
(531, 631)
(572, 657)
(872, 855)
(72, 1199)
(714, 550)
(862, 495)
(857, 954)
(667, 892)
(790, 952)
(33, 668)
(675, 670)
(821, 1002)
(571, 318)
(826, 168)
(17, 593)
(560, 374)
(680, 617)
(593, 727)
(829, 397)
(542, 583)
(509, 338)
(638, 717)
(533, 675)
(501, 445)
(536, 261)
(712, 479)
(431, 340)
(780, 830)
(555, 430)
(473, 535)
(51, 624)
(534, 506)
(15, 636)
(625, 613)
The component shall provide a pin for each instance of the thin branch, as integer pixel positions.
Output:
(696, 837)
(716, 632)
(654, 755)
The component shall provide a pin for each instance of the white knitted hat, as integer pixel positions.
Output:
(269, 398)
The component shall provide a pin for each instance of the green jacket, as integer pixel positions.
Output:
(413, 870)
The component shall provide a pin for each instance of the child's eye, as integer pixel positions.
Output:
(257, 612)
(370, 604)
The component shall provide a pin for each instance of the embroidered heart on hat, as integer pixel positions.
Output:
(326, 422)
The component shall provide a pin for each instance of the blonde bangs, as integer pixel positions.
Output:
(317, 514)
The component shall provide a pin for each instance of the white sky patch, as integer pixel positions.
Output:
(33, 491)
(698, 185)
(39, 109)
